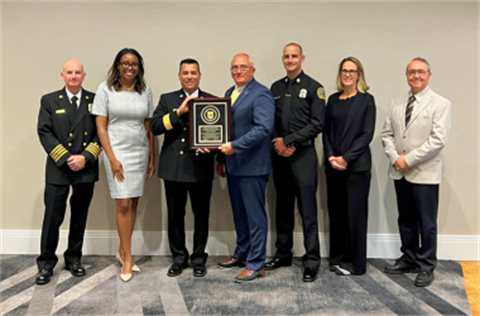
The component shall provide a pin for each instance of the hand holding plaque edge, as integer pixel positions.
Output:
(227, 149)
(203, 150)
(184, 106)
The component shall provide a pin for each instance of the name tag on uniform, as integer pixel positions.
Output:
(277, 97)
(61, 111)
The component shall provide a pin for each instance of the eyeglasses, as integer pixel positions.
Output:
(242, 68)
(126, 65)
(421, 73)
(349, 72)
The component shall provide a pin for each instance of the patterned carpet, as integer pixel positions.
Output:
(281, 292)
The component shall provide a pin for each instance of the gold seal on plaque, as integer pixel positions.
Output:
(210, 114)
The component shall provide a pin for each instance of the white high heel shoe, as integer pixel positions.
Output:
(134, 267)
(125, 277)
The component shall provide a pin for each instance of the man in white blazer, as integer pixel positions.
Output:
(415, 131)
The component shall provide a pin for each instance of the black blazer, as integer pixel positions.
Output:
(356, 136)
(63, 133)
(177, 161)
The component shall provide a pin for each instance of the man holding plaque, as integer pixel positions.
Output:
(184, 171)
(299, 118)
(248, 165)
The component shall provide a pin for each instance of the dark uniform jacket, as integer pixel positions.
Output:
(63, 133)
(304, 120)
(177, 161)
(357, 134)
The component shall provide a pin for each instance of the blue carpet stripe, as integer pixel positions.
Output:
(19, 311)
(423, 294)
(452, 266)
(384, 295)
(11, 265)
(16, 289)
(96, 263)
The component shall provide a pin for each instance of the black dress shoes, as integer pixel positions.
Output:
(175, 270)
(75, 268)
(199, 270)
(400, 267)
(309, 275)
(424, 278)
(43, 276)
(276, 263)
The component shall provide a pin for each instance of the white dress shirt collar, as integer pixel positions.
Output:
(419, 95)
(241, 88)
(195, 93)
(71, 95)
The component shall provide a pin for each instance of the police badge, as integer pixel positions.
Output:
(302, 94)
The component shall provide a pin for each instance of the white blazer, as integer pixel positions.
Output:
(422, 140)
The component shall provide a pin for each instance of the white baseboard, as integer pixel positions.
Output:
(450, 247)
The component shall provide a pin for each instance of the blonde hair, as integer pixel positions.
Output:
(362, 85)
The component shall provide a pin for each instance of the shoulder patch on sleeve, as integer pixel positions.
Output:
(321, 93)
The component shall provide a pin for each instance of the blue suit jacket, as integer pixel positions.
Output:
(252, 123)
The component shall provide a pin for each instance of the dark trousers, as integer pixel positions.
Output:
(55, 199)
(347, 200)
(176, 193)
(247, 195)
(417, 222)
(295, 177)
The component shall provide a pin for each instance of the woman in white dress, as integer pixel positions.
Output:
(123, 105)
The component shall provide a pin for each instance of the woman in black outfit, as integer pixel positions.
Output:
(349, 127)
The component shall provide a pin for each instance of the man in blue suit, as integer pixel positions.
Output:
(248, 164)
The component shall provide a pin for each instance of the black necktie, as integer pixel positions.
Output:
(74, 104)
(409, 110)
(286, 108)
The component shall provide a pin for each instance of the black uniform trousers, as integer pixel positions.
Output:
(417, 222)
(347, 200)
(55, 207)
(296, 177)
(176, 194)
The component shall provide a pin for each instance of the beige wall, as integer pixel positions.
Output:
(37, 38)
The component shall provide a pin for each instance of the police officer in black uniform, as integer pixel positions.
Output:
(184, 171)
(299, 118)
(67, 132)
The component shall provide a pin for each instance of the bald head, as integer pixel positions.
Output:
(72, 63)
(73, 75)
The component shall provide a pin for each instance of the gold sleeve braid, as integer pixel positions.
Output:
(94, 149)
(58, 152)
(166, 122)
